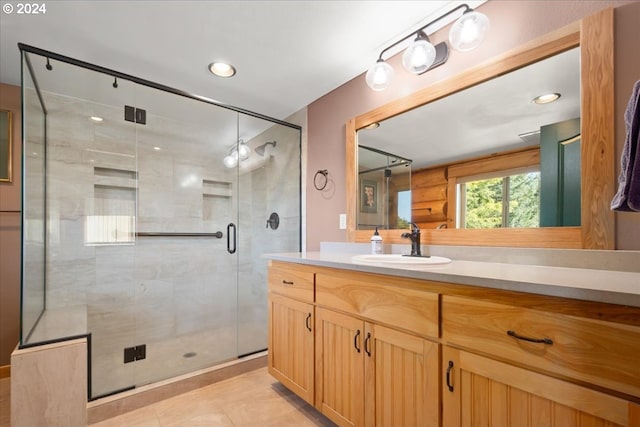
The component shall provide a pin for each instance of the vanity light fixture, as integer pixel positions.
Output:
(466, 34)
(222, 69)
(546, 98)
(238, 152)
(374, 125)
(418, 57)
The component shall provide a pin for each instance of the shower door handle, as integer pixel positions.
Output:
(229, 249)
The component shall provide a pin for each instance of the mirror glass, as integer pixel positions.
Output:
(384, 190)
(530, 186)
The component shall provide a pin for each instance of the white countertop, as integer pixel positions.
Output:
(615, 287)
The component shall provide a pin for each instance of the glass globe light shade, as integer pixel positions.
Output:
(418, 57)
(231, 160)
(243, 150)
(469, 31)
(379, 76)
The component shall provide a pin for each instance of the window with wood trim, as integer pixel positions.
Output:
(489, 192)
(509, 198)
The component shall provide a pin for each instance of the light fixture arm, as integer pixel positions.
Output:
(421, 29)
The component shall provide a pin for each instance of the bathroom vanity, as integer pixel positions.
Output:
(456, 344)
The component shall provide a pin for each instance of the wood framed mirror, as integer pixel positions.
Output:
(595, 37)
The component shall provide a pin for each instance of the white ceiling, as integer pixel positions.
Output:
(288, 53)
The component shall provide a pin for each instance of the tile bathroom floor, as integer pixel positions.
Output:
(250, 399)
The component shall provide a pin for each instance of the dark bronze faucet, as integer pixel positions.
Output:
(414, 235)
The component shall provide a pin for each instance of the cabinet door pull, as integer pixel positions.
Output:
(449, 368)
(367, 341)
(536, 340)
(286, 282)
(355, 341)
(307, 323)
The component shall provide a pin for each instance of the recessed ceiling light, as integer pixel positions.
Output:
(156, 148)
(96, 119)
(546, 98)
(222, 69)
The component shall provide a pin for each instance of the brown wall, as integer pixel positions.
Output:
(10, 234)
(512, 23)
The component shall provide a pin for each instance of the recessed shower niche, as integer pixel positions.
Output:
(136, 232)
(216, 199)
(114, 207)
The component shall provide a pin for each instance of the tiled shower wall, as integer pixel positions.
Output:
(177, 295)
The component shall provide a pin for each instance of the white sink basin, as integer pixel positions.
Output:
(399, 260)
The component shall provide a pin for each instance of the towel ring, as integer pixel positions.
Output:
(321, 186)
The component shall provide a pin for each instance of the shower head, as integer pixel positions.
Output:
(261, 148)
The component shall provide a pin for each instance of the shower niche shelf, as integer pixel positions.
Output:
(216, 200)
(211, 188)
(114, 207)
(113, 218)
(110, 177)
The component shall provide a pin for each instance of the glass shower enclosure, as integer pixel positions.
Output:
(146, 210)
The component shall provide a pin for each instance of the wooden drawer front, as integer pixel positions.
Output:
(292, 282)
(601, 353)
(413, 310)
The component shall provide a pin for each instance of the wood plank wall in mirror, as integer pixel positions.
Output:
(592, 37)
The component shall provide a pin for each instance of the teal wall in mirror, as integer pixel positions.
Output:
(560, 174)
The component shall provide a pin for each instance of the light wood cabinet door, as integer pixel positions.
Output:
(372, 375)
(478, 391)
(291, 345)
(401, 379)
(340, 367)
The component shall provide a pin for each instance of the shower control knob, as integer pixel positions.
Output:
(273, 221)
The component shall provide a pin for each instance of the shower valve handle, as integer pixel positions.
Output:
(273, 221)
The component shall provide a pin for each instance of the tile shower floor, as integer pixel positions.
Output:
(164, 358)
(250, 399)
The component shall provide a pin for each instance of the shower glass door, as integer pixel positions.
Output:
(185, 266)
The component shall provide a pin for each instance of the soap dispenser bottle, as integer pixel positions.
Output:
(376, 243)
